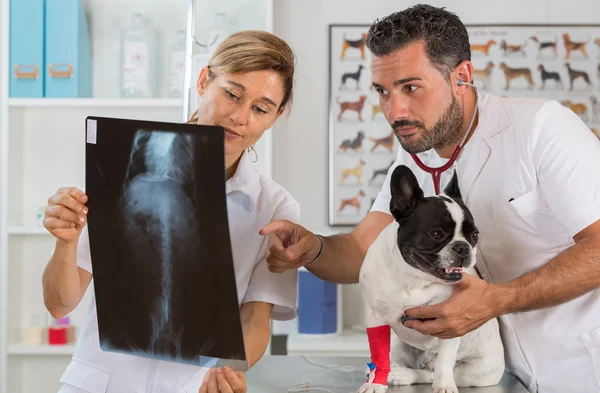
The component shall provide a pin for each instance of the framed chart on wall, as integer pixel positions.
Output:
(362, 145)
(560, 62)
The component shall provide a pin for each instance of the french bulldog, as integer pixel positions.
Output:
(414, 262)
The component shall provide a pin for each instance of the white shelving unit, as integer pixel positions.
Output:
(15, 231)
(348, 343)
(4, 50)
(40, 350)
(41, 149)
(95, 103)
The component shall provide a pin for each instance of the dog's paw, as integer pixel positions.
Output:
(372, 388)
(401, 376)
(445, 387)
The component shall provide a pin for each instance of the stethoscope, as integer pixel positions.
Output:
(436, 173)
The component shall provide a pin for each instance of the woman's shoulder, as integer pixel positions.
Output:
(274, 194)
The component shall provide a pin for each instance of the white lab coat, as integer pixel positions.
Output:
(253, 201)
(530, 174)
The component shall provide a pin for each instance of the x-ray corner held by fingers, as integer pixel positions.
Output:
(162, 262)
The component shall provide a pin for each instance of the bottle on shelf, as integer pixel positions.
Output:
(34, 333)
(177, 65)
(138, 59)
(61, 332)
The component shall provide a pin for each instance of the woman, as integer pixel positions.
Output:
(246, 86)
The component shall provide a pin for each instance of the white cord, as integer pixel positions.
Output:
(476, 91)
(305, 386)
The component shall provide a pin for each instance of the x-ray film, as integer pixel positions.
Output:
(159, 236)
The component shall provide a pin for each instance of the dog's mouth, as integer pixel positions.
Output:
(451, 274)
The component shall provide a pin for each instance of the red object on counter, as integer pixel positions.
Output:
(57, 335)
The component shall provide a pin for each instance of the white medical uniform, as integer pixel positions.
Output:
(253, 201)
(530, 174)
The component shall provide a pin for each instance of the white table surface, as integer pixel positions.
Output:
(276, 374)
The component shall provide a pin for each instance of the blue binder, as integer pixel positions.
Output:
(68, 70)
(26, 48)
(317, 305)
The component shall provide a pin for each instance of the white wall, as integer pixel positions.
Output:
(300, 160)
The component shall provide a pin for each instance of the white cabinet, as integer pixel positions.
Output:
(42, 148)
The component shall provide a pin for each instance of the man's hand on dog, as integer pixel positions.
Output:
(471, 305)
(290, 245)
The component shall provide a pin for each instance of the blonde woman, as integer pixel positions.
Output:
(246, 86)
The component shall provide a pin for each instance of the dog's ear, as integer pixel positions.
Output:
(452, 189)
(405, 191)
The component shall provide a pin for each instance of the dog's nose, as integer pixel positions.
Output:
(462, 249)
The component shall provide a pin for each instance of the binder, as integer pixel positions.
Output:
(26, 48)
(317, 305)
(68, 65)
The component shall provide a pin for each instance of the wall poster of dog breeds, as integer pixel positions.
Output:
(159, 240)
(362, 145)
(559, 62)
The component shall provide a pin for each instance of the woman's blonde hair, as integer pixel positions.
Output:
(254, 50)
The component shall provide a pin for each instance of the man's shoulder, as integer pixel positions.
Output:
(527, 115)
(525, 105)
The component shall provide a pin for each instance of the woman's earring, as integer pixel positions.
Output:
(251, 148)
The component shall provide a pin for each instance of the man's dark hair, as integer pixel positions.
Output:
(446, 38)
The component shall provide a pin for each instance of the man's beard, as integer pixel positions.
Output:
(446, 131)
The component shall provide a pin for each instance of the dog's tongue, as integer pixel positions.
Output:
(451, 270)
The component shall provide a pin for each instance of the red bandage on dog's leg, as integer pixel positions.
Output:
(379, 344)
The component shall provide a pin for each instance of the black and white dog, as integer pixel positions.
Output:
(414, 262)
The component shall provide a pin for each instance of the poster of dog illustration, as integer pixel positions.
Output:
(362, 145)
(559, 62)
(159, 237)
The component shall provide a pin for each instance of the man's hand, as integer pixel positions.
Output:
(473, 303)
(223, 380)
(290, 245)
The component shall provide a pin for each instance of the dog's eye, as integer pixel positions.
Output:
(437, 235)
(475, 235)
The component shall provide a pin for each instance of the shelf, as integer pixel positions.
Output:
(23, 349)
(348, 343)
(41, 231)
(95, 102)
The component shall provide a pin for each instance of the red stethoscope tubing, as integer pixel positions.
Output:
(436, 173)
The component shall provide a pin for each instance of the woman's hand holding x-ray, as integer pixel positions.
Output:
(66, 214)
(224, 380)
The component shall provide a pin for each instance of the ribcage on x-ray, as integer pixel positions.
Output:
(162, 155)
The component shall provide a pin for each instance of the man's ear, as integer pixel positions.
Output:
(405, 191)
(452, 189)
(464, 72)
(201, 82)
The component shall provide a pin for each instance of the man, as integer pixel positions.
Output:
(528, 172)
